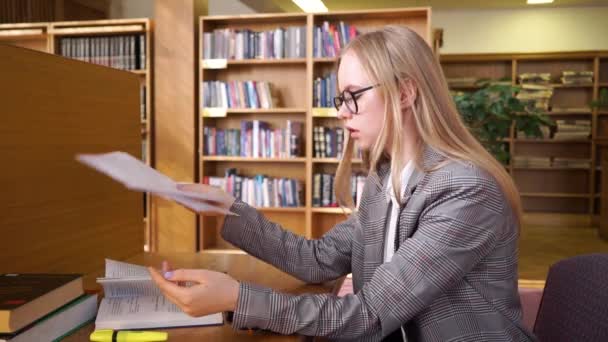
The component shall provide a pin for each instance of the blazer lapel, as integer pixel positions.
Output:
(374, 217)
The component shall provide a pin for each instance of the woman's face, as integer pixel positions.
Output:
(365, 125)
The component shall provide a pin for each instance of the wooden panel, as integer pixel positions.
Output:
(322, 223)
(552, 181)
(492, 70)
(603, 70)
(174, 227)
(556, 205)
(58, 215)
(30, 36)
(604, 190)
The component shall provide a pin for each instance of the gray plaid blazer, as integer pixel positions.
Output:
(453, 278)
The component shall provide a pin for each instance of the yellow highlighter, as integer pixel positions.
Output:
(107, 335)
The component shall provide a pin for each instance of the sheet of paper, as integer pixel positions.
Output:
(146, 312)
(136, 175)
(119, 269)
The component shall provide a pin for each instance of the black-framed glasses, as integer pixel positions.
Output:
(349, 98)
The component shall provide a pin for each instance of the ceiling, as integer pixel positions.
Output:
(345, 5)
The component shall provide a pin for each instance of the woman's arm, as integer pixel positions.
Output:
(461, 226)
(312, 261)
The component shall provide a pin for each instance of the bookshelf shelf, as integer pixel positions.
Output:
(265, 111)
(551, 141)
(333, 161)
(571, 86)
(282, 209)
(553, 195)
(551, 168)
(603, 84)
(317, 210)
(325, 60)
(139, 72)
(59, 29)
(223, 251)
(252, 160)
(603, 112)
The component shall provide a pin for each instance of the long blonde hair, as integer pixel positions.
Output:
(390, 56)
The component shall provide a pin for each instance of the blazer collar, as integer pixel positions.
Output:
(430, 158)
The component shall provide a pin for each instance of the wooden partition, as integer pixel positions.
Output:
(57, 215)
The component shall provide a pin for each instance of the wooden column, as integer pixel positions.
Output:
(603, 145)
(175, 103)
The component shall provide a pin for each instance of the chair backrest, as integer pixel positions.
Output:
(574, 306)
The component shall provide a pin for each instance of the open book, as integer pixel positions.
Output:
(136, 175)
(133, 301)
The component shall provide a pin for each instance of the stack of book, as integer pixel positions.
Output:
(247, 44)
(532, 162)
(255, 139)
(535, 78)
(43, 307)
(462, 81)
(577, 77)
(572, 130)
(121, 52)
(239, 94)
(323, 194)
(329, 142)
(324, 90)
(260, 190)
(578, 163)
(330, 39)
(535, 96)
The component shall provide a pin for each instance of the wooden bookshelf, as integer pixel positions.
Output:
(46, 37)
(548, 189)
(293, 80)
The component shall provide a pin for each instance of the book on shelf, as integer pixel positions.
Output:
(24, 298)
(531, 161)
(329, 142)
(577, 77)
(324, 90)
(255, 139)
(133, 301)
(59, 323)
(278, 43)
(572, 130)
(126, 52)
(535, 96)
(571, 162)
(260, 190)
(323, 194)
(239, 94)
(531, 78)
(544, 130)
(329, 39)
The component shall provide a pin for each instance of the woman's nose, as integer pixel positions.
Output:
(344, 113)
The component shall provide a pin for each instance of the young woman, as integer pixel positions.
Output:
(433, 246)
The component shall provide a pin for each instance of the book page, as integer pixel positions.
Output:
(126, 280)
(146, 312)
(136, 175)
(119, 269)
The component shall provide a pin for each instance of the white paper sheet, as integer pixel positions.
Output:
(136, 175)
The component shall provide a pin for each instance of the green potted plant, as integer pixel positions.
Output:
(490, 111)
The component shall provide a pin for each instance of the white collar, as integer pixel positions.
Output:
(406, 173)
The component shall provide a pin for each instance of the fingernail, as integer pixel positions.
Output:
(169, 275)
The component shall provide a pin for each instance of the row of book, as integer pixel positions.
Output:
(127, 52)
(247, 44)
(255, 139)
(329, 142)
(239, 94)
(323, 194)
(260, 190)
(330, 39)
(43, 307)
(547, 162)
(572, 129)
(567, 77)
(323, 91)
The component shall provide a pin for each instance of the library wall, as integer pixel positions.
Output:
(523, 30)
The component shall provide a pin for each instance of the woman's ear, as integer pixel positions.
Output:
(407, 93)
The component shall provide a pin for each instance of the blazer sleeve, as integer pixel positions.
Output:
(457, 229)
(312, 261)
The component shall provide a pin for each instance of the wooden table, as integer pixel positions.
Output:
(603, 146)
(241, 267)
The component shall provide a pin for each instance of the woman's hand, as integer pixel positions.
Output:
(222, 199)
(213, 292)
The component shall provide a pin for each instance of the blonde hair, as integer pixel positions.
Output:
(390, 56)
